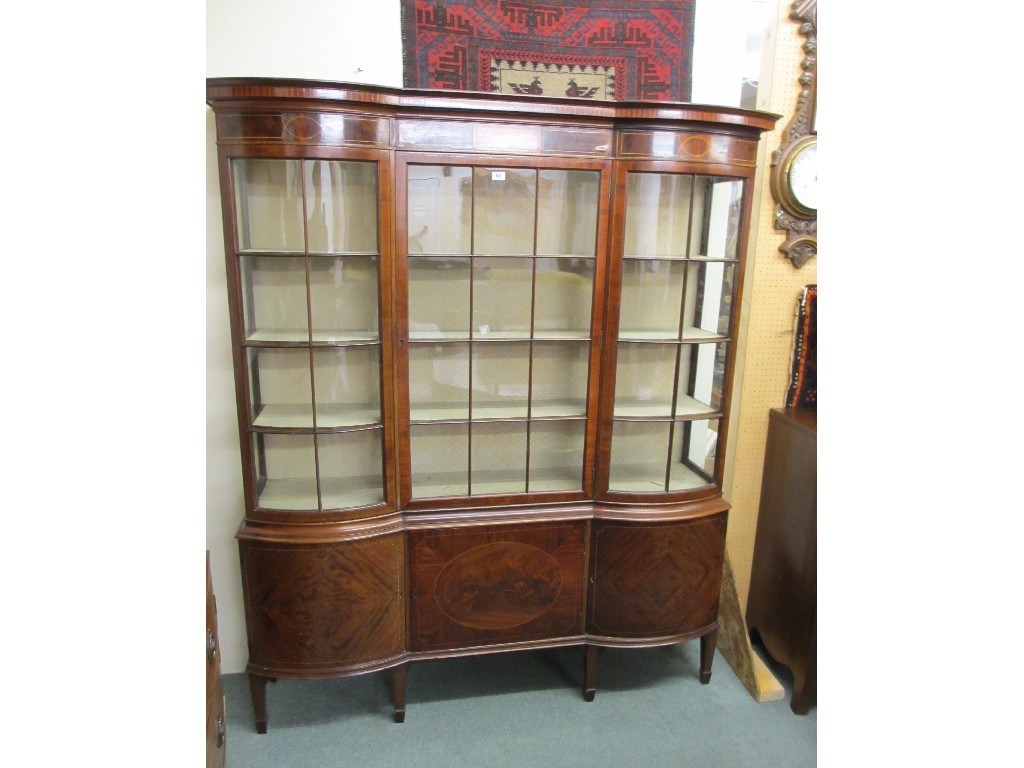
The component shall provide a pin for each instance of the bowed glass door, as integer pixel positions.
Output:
(678, 281)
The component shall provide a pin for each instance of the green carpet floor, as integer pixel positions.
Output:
(525, 709)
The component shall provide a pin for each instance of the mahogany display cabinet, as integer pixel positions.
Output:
(483, 351)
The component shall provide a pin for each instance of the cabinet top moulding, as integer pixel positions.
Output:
(226, 91)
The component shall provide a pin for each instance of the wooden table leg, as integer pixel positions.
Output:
(590, 672)
(707, 655)
(398, 690)
(258, 689)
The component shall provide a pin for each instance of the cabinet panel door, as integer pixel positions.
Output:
(494, 585)
(323, 606)
(656, 580)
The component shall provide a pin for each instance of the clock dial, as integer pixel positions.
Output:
(803, 176)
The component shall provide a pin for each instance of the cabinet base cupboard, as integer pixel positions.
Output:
(483, 350)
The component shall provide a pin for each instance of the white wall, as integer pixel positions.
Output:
(345, 40)
(355, 42)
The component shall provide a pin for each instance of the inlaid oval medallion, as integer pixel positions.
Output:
(302, 128)
(696, 146)
(498, 586)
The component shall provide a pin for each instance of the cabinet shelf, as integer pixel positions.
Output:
(300, 494)
(429, 413)
(302, 338)
(661, 410)
(327, 418)
(646, 479)
(249, 252)
(690, 334)
(441, 337)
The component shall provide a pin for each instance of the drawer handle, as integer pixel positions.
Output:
(221, 731)
(211, 646)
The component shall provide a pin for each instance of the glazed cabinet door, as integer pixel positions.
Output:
(498, 279)
(311, 272)
(676, 266)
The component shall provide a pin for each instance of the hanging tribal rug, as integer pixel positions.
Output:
(635, 50)
(803, 378)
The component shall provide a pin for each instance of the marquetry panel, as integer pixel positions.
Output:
(687, 147)
(651, 580)
(503, 138)
(490, 585)
(314, 128)
(324, 606)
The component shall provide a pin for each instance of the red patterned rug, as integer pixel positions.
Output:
(635, 50)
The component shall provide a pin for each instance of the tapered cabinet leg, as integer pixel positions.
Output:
(258, 689)
(398, 690)
(590, 672)
(707, 655)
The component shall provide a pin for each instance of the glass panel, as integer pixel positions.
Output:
(499, 458)
(351, 468)
(504, 208)
(440, 459)
(440, 209)
(268, 202)
(709, 289)
(438, 382)
(694, 446)
(347, 383)
(701, 377)
(341, 206)
(560, 371)
(556, 455)
(644, 380)
(274, 298)
(439, 298)
(502, 296)
(285, 471)
(564, 293)
(343, 297)
(567, 212)
(501, 380)
(657, 214)
(716, 218)
(639, 455)
(279, 388)
(652, 292)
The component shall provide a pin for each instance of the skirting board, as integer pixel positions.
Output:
(734, 644)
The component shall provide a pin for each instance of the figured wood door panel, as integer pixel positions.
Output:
(490, 585)
(324, 606)
(656, 579)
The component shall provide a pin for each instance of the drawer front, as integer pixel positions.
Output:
(216, 731)
(212, 640)
(479, 586)
(323, 607)
(656, 580)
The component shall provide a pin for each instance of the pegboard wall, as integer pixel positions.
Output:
(771, 295)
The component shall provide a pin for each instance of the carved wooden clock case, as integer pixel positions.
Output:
(794, 176)
(483, 351)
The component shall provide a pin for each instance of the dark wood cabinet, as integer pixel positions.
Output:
(483, 352)
(216, 715)
(782, 606)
